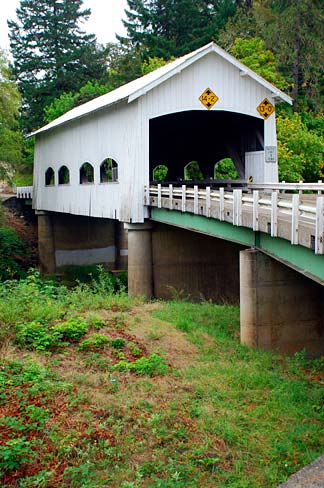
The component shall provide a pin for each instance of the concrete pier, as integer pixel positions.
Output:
(281, 310)
(140, 270)
(46, 244)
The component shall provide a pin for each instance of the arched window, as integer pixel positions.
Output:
(225, 170)
(192, 171)
(86, 174)
(160, 172)
(49, 177)
(108, 171)
(63, 175)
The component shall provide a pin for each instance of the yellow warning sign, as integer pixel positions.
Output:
(265, 108)
(250, 179)
(208, 98)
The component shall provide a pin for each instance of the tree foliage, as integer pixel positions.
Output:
(168, 28)
(253, 54)
(10, 136)
(52, 55)
(300, 151)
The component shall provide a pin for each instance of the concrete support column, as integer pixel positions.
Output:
(281, 310)
(140, 269)
(122, 246)
(46, 244)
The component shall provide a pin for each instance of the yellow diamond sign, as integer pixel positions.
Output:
(208, 98)
(265, 108)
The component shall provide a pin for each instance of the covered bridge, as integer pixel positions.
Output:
(96, 159)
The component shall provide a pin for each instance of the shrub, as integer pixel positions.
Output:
(34, 335)
(94, 342)
(70, 330)
(12, 251)
(152, 366)
(118, 343)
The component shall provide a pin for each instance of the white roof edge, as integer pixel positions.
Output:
(137, 88)
(199, 53)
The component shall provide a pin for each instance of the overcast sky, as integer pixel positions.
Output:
(105, 19)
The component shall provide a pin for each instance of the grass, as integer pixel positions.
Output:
(105, 391)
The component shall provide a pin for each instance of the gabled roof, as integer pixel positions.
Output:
(137, 88)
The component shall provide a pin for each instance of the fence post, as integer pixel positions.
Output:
(237, 207)
(221, 204)
(195, 199)
(256, 210)
(319, 229)
(183, 199)
(159, 196)
(274, 214)
(170, 197)
(208, 201)
(295, 219)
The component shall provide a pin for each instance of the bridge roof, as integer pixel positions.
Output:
(139, 87)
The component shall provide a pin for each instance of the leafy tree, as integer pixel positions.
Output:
(67, 101)
(52, 55)
(294, 30)
(192, 171)
(10, 137)
(300, 151)
(166, 28)
(253, 54)
(225, 169)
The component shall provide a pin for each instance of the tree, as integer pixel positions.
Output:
(294, 30)
(166, 28)
(253, 54)
(300, 151)
(67, 101)
(10, 136)
(51, 53)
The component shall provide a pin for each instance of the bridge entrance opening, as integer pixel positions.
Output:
(191, 143)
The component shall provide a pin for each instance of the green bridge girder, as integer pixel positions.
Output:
(300, 258)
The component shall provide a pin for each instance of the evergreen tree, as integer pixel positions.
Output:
(166, 28)
(51, 53)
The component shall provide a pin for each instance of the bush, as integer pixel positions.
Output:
(40, 336)
(12, 252)
(70, 330)
(34, 335)
(94, 342)
(152, 366)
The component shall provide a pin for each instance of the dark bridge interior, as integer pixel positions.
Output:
(206, 137)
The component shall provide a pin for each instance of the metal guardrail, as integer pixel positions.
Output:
(24, 192)
(213, 203)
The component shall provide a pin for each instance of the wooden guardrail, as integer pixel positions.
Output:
(24, 192)
(289, 216)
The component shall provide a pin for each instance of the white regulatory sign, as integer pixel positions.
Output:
(271, 154)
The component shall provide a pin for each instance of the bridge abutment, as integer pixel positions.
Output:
(73, 240)
(280, 308)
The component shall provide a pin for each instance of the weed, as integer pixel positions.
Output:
(70, 330)
(14, 453)
(96, 321)
(94, 342)
(118, 343)
(151, 366)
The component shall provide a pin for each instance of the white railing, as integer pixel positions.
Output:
(24, 192)
(301, 219)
